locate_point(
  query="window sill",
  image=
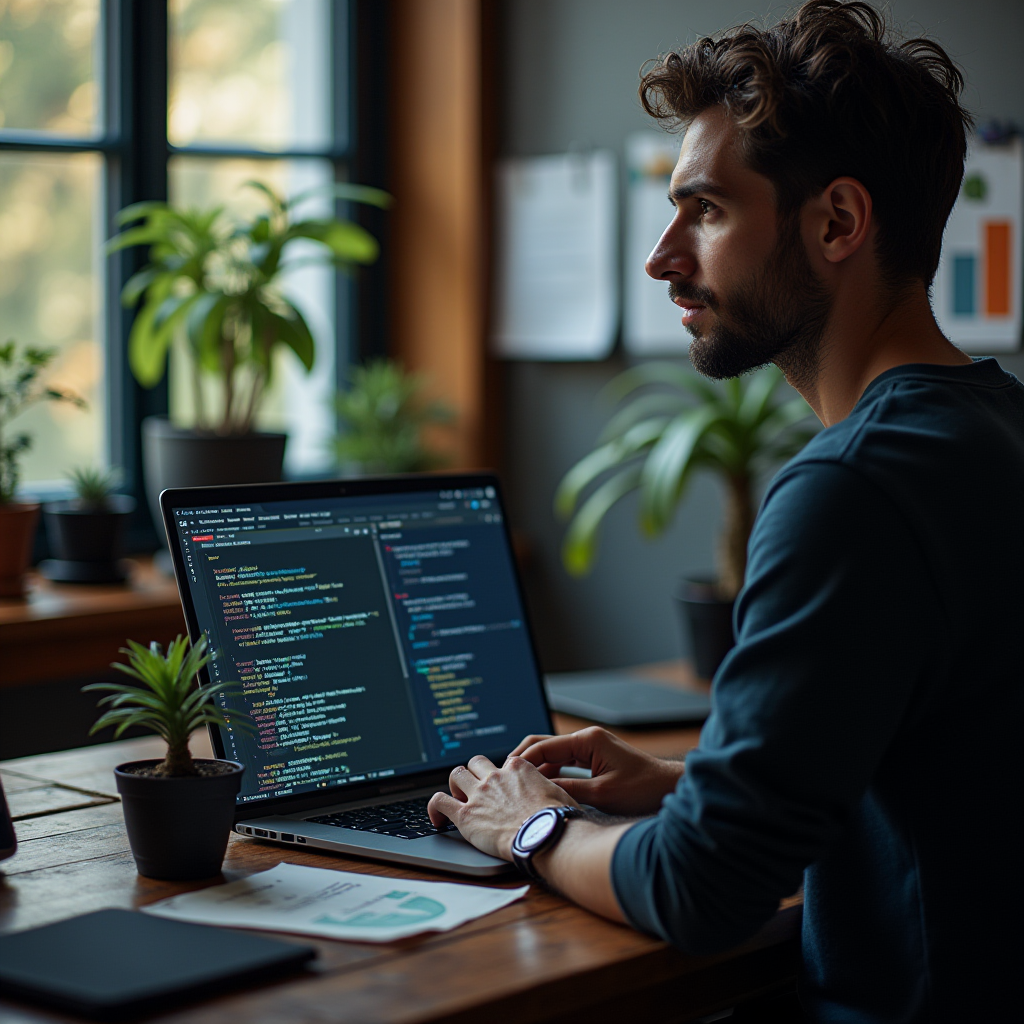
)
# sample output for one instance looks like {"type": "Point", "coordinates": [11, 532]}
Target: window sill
{"type": "Point", "coordinates": [64, 631]}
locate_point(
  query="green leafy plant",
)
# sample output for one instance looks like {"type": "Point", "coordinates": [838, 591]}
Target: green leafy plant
{"type": "Point", "coordinates": [674, 424]}
{"type": "Point", "coordinates": [168, 701]}
{"type": "Point", "coordinates": [20, 388]}
{"type": "Point", "coordinates": [383, 414]}
{"type": "Point", "coordinates": [217, 283]}
{"type": "Point", "coordinates": [94, 485]}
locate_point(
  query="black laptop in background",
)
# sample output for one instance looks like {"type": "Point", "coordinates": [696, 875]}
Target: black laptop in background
{"type": "Point", "coordinates": [378, 629]}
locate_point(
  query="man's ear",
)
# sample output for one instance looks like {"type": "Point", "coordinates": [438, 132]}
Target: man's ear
{"type": "Point", "coordinates": [845, 219]}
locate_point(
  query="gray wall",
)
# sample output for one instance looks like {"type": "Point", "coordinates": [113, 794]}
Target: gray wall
{"type": "Point", "coordinates": [569, 80]}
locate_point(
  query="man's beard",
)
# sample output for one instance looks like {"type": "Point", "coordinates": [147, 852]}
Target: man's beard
{"type": "Point", "coordinates": [777, 316]}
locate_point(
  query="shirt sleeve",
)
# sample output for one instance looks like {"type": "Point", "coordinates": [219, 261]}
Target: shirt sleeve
{"type": "Point", "coordinates": [831, 626]}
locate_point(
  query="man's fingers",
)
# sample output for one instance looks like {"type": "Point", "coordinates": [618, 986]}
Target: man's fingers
{"type": "Point", "coordinates": [442, 808]}
{"type": "Point", "coordinates": [559, 750]}
{"type": "Point", "coordinates": [461, 782]}
{"type": "Point", "coordinates": [581, 790]}
{"type": "Point", "coordinates": [481, 766]}
{"type": "Point", "coordinates": [529, 741]}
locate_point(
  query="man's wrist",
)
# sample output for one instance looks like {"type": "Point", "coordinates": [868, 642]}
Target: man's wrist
{"type": "Point", "coordinates": [540, 832]}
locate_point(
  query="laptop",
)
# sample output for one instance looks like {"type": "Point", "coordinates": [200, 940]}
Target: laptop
{"type": "Point", "coordinates": [378, 631]}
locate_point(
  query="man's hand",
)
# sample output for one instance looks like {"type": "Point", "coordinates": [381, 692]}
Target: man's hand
{"type": "Point", "coordinates": [624, 780]}
{"type": "Point", "coordinates": [488, 804]}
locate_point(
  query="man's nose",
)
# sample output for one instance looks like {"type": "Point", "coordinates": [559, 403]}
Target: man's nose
{"type": "Point", "coordinates": [670, 258]}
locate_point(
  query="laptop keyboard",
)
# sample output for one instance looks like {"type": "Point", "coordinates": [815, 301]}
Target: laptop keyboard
{"type": "Point", "coordinates": [406, 820]}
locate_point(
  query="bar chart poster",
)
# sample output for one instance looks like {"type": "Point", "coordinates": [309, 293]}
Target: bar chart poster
{"type": "Point", "coordinates": [977, 291]}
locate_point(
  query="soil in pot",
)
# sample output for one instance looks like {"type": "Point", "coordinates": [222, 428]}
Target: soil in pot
{"type": "Point", "coordinates": [707, 621]}
{"type": "Point", "coordinates": [178, 827]}
{"type": "Point", "coordinates": [87, 542]}
{"type": "Point", "coordinates": [17, 531]}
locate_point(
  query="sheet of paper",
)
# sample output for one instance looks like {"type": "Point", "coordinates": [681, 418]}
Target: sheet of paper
{"type": "Point", "coordinates": [557, 273]}
{"type": "Point", "coordinates": [336, 904]}
{"type": "Point", "coordinates": [977, 292]}
{"type": "Point", "coordinates": [651, 322]}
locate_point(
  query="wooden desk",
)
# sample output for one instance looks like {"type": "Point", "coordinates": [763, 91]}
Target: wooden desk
{"type": "Point", "coordinates": [66, 630]}
{"type": "Point", "coordinates": [541, 959]}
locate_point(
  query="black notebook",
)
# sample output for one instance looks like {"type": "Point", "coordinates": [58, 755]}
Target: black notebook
{"type": "Point", "coordinates": [119, 963]}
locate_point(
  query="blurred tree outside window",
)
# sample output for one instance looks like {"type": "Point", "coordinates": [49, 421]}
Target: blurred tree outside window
{"type": "Point", "coordinates": [256, 76]}
{"type": "Point", "coordinates": [49, 223]}
{"type": "Point", "coordinates": [256, 89]}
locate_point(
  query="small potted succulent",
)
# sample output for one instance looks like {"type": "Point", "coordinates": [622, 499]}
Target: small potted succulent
{"type": "Point", "coordinates": [217, 282]}
{"type": "Point", "coordinates": [383, 416]}
{"type": "Point", "coordinates": [20, 388]}
{"type": "Point", "coordinates": [178, 810]}
{"type": "Point", "coordinates": [674, 424]}
{"type": "Point", "coordinates": [86, 534]}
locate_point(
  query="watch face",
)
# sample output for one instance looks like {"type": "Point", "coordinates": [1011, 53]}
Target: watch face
{"type": "Point", "coordinates": [537, 830]}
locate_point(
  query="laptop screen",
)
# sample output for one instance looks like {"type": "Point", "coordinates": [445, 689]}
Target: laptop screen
{"type": "Point", "coordinates": [373, 635]}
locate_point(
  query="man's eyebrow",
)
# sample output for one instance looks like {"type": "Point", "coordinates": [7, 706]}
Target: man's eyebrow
{"type": "Point", "coordinates": [701, 185]}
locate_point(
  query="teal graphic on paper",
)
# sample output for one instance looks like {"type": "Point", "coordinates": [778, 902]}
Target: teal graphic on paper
{"type": "Point", "coordinates": [413, 910]}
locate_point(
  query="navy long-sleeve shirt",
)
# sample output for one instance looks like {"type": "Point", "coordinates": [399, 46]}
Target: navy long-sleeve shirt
{"type": "Point", "coordinates": [866, 732]}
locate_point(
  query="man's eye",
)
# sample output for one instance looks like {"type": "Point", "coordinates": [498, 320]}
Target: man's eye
{"type": "Point", "coordinates": [705, 206]}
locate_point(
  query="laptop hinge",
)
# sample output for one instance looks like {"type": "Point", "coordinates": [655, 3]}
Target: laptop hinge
{"type": "Point", "coordinates": [399, 787]}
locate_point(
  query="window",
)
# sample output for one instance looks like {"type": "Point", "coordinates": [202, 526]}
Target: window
{"type": "Point", "coordinates": [253, 90]}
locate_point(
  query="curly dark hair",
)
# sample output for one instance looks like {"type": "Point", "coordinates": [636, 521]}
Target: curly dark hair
{"type": "Point", "coordinates": [829, 92]}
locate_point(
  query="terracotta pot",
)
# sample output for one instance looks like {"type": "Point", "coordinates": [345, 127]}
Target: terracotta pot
{"type": "Point", "coordinates": [17, 531]}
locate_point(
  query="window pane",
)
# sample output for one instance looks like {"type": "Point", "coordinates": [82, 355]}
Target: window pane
{"type": "Point", "coordinates": [49, 66]}
{"type": "Point", "coordinates": [251, 74]}
{"type": "Point", "coordinates": [296, 403]}
{"type": "Point", "coordinates": [49, 207]}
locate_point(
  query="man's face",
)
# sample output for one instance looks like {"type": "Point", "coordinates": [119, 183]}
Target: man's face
{"type": "Point", "coordinates": [743, 280]}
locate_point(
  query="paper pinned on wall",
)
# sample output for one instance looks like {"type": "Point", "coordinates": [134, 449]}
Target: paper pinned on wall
{"type": "Point", "coordinates": [651, 323]}
{"type": "Point", "coordinates": [557, 274]}
{"type": "Point", "coordinates": [977, 292]}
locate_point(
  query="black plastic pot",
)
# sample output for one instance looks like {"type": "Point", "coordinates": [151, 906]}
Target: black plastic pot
{"type": "Point", "coordinates": [178, 828]}
{"type": "Point", "coordinates": [174, 457]}
{"type": "Point", "coordinates": [707, 620]}
{"type": "Point", "coordinates": [87, 543]}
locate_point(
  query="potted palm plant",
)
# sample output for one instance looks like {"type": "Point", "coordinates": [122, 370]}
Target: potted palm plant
{"type": "Point", "coordinates": [86, 533]}
{"type": "Point", "coordinates": [20, 388]}
{"type": "Point", "coordinates": [217, 283]}
{"type": "Point", "coordinates": [178, 810]}
{"type": "Point", "coordinates": [671, 424]}
{"type": "Point", "coordinates": [383, 415]}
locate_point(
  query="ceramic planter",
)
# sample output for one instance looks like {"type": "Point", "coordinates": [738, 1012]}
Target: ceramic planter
{"type": "Point", "coordinates": [17, 531]}
{"type": "Point", "coordinates": [175, 457]}
{"type": "Point", "coordinates": [87, 543]}
{"type": "Point", "coordinates": [707, 620]}
{"type": "Point", "coordinates": [178, 827]}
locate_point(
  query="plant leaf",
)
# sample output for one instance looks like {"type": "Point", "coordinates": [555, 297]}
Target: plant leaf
{"type": "Point", "coordinates": [580, 541]}
{"type": "Point", "coordinates": [346, 241]}
{"type": "Point", "coordinates": [599, 461]}
{"type": "Point", "coordinates": [666, 470]}
{"type": "Point", "coordinates": [669, 374]}
{"type": "Point", "coordinates": [342, 190]}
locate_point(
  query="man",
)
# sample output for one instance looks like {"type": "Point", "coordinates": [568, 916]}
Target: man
{"type": "Point", "coordinates": [865, 737]}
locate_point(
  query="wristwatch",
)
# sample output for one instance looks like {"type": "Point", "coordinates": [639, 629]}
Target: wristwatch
{"type": "Point", "coordinates": [540, 832]}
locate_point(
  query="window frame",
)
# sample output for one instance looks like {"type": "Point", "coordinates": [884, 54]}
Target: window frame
{"type": "Point", "coordinates": [136, 152]}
